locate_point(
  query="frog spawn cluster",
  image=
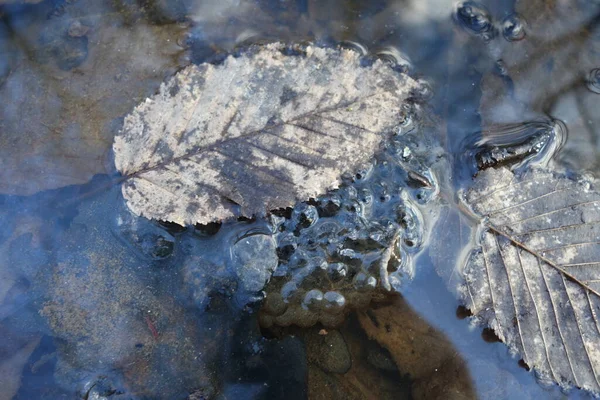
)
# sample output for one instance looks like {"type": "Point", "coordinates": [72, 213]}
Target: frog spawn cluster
{"type": "Point", "coordinates": [335, 253]}
{"type": "Point", "coordinates": [341, 250]}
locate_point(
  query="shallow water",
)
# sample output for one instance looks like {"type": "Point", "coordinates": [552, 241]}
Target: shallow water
{"type": "Point", "coordinates": [96, 303]}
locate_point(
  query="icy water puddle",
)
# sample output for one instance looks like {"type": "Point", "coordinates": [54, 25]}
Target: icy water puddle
{"type": "Point", "coordinates": [96, 303]}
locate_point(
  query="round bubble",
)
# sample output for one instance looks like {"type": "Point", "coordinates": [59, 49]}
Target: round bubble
{"type": "Point", "coordinates": [395, 58]}
{"type": "Point", "coordinates": [304, 216]}
{"type": "Point", "coordinates": [475, 19]}
{"type": "Point", "coordinates": [364, 282]}
{"type": "Point", "coordinates": [351, 45]}
{"type": "Point", "coordinates": [337, 271]}
{"type": "Point", "coordinates": [313, 299]}
{"type": "Point", "coordinates": [593, 80]}
{"type": "Point", "coordinates": [513, 28]}
{"type": "Point", "coordinates": [334, 302]}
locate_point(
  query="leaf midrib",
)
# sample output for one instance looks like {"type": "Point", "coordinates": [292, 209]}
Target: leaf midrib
{"type": "Point", "coordinates": [248, 135]}
{"type": "Point", "coordinates": [556, 266]}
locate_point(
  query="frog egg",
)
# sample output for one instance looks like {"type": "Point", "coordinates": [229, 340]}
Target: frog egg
{"type": "Point", "coordinates": [313, 300]}
{"type": "Point", "coordinates": [350, 257]}
{"type": "Point", "coordinates": [365, 196]}
{"type": "Point", "coordinates": [318, 263]}
{"type": "Point", "coordinates": [411, 243]}
{"type": "Point", "coordinates": [356, 46]}
{"type": "Point", "coordinates": [285, 253]}
{"type": "Point", "coordinates": [337, 271]}
{"type": "Point", "coordinates": [475, 19]}
{"type": "Point", "coordinates": [593, 80]}
{"type": "Point", "coordinates": [148, 240]}
{"type": "Point", "coordinates": [286, 246]}
{"type": "Point", "coordinates": [395, 58]}
{"type": "Point", "coordinates": [157, 246]}
{"type": "Point", "coordinates": [303, 217]}
{"type": "Point", "coordinates": [411, 221]}
{"type": "Point", "coordinates": [354, 206]}
{"type": "Point", "coordinates": [289, 289]}
{"type": "Point", "coordinates": [363, 174]}
{"type": "Point", "coordinates": [327, 232]}
{"type": "Point", "coordinates": [334, 302]}
{"type": "Point", "coordinates": [364, 282]}
{"type": "Point", "coordinates": [285, 238]}
{"type": "Point", "coordinates": [298, 260]}
{"type": "Point", "coordinates": [383, 192]}
{"type": "Point", "coordinates": [350, 192]}
{"type": "Point", "coordinates": [329, 205]}
{"type": "Point", "coordinates": [274, 304]}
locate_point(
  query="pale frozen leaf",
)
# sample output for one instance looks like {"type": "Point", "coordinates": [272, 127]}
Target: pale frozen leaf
{"type": "Point", "coordinates": [536, 277]}
{"type": "Point", "coordinates": [259, 132]}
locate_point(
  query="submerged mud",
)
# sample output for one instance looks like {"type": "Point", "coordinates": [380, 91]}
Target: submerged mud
{"type": "Point", "coordinates": [119, 306]}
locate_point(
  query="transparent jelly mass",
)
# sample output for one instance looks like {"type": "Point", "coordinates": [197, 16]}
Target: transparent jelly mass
{"type": "Point", "coordinates": [339, 251]}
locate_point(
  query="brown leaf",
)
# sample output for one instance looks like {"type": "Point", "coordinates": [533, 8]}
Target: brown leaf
{"type": "Point", "coordinates": [418, 349]}
{"type": "Point", "coordinates": [362, 380]}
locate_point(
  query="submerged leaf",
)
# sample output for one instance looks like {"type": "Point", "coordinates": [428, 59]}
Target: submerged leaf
{"type": "Point", "coordinates": [419, 350]}
{"type": "Point", "coordinates": [536, 278]}
{"type": "Point", "coordinates": [262, 131]}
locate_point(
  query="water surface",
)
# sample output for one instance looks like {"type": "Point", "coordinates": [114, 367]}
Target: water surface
{"type": "Point", "coordinates": [95, 303]}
